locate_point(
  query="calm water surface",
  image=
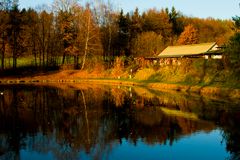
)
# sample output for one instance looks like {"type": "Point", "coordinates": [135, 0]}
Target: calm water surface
{"type": "Point", "coordinates": [102, 122]}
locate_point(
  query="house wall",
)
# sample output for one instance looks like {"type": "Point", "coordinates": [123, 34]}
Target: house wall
{"type": "Point", "coordinates": [216, 56]}
{"type": "Point", "coordinates": [215, 48]}
{"type": "Point", "coordinates": [144, 62]}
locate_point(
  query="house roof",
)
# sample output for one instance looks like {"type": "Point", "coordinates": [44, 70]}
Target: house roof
{"type": "Point", "coordinates": [188, 50]}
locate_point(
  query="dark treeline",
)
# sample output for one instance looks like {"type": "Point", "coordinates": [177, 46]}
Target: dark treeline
{"type": "Point", "coordinates": [71, 33]}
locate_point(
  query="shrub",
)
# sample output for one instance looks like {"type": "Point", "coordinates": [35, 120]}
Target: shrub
{"type": "Point", "coordinates": [144, 74]}
{"type": "Point", "coordinates": [233, 52]}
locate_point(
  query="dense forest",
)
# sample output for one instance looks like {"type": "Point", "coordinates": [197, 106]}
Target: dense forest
{"type": "Point", "coordinates": [77, 34]}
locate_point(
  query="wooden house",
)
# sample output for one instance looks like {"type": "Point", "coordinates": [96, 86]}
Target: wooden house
{"type": "Point", "coordinates": [174, 54]}
{"type": "Point", "coordinates": [205, 50]}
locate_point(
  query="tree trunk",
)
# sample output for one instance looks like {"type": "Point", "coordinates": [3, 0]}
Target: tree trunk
{"type": "Point", "coordinates": [34, 48]}
{"type": "Point", "coordinates": [76, 57]}
{"type": "Point", "coordinates": [40, 58]}
{"type": "Point", "coordinates": [43, 58]}
{"type": "Point", "coordinates": [35, 54]}
{"type": "Point", "coordinates": [109, 46]}
{"type": "Point", "coordinates": [14, 49]}
{"type": "Point", "coordinates": [43, 43]}
{"type": "Point", "coordinates": [86, 43]}
{"type": "Point", "coordinates": [3, 51]}
{"type": "Point", "coordinates": [63, 59]}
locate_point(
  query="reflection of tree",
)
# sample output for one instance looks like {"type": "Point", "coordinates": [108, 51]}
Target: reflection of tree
{"type": "Point", "coordinates": [15, 126]}
{"type": "Point", "coordinates": [86, 116]}
{"type": "Point", "coordinates": [231, 134]}
{"type": "Point", "coordinates": [89, 120]}
{"type": "Point", "coordinates": [118, 95]}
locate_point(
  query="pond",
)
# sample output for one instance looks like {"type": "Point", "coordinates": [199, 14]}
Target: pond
{"type": "Point", "coordinates": [86, 121]}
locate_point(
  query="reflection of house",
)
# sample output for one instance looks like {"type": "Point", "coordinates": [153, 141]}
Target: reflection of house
{"type": "Point", "coordinates": [207, 50]}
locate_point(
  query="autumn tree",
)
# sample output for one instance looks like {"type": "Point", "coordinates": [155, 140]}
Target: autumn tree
{"type": "Point", "coordinates": [188, 36]}
{"type": "Point", "coordinates": [72, 31]}
{"type": "Point", "coordinates": [5, 7]}
{"type": "Point", "coordinates": [64, 10]}
{"type": "Point", "coordinates": [158, 22]}
{"type": "Point", "coordinates": [147, 44]}
{"type": "Point", "coordinates": [88, 34]}
{"type": "Point", "coordinates": [33, 30]}
{"type": "Point", "coordinates": [14, 31]}
{"type": "Point", "coordinates": [67, 32]}
{"type": "Point", "coordinates": [3, 35]}
{"type": "Point", "coordinates": [106, 19]}
{"type": "Point", "coordinates": [211, 30]}
{"type": "Point", "coordinates": [44, 35]}
{"type": "Point", "coordinates": [40, 37]}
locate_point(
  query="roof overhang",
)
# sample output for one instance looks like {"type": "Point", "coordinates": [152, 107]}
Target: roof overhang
{"type": "Point", "coordinates": [190, 50]}
{"type": "Point", "coordinates": [217, 52]}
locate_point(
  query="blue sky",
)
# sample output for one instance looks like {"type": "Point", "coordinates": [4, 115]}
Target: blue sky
{"type": "Point", "coordinates": [223, 9]}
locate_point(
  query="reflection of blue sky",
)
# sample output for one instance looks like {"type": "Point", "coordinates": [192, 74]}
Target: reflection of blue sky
{"type": "Point", "coordinates": [33, 155]}
{"type": "Point", "coordinates": [43, 147]}
{"type": "Point", "coordinates": [200, 146]}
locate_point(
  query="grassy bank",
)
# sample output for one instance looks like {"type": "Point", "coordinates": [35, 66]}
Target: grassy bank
{"type": "Point", "coordinates": [191, 75]}
{"type": "Point", "coordinates": [192, 72]}
{"type": "Point", "coordinates": [205, 91]}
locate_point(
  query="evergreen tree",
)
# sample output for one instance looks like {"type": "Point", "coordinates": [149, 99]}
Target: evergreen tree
{"type": "Point", "coordinates": [136, 24]}
{"type": "Point", "coordinates": [236, 20]}
{"type": "Point", "coordinates": [174, 16]}
{"type": "Point", "coordinates": [123, 34]}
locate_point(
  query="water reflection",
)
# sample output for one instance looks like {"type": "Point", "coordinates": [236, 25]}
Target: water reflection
{"type": "Point", "coordinates": [103, 122]}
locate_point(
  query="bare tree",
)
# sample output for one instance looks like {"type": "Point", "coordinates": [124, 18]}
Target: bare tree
{"type": "Point", "coordinates": [64, 5]}
{"type": "Point", "coordinates": [106, 20]}
{"type": "Point", "coordinates": [88, 37]}
{"type": "Point", "coordinates": [45, 34]}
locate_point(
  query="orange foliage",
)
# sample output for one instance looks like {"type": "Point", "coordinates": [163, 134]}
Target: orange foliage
{"type": "Point", "coordinates": [188, 36]}
{"type": "Point", "coordinates": [118, 68]}
{"type": "Point", "coordinates": [119, 96]}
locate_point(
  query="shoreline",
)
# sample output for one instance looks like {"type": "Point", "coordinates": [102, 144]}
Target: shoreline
{"type": "Point", "coordinates": [201, 90]}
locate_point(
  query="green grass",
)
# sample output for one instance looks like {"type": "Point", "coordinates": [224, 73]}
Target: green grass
{"type": "Point", "coordinates": [30, 61]}
{"type": "Point", "coordinates": [197, 72]}
{"type": "Point", "coordinates": [21, 62]}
